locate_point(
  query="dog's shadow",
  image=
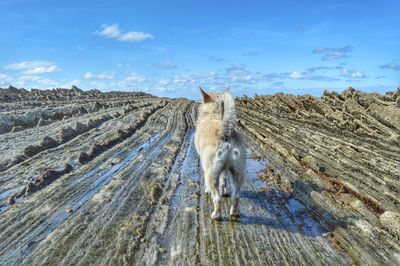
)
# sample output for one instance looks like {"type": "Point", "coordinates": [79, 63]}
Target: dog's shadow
{"type": "Point", "coordinates": [282, 211]}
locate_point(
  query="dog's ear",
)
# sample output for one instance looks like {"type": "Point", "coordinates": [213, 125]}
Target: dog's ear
{"type": "Point", "coordinates": [206, 98]}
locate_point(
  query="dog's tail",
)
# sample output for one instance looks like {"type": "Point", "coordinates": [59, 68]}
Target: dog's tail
{"type": "Point", "coordinates": [228, 115]}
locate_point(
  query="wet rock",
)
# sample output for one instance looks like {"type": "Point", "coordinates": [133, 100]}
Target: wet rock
{"type": "Point", "coordinates": [79, 127]}
{"type": "Point", "coordinates": [105, 117]}
{"type": "Point", "coordinates": [50, 98]}
{"type": "Point", "coordinates": [96, 107]}
{"type": "Point", "coordinates": [67, 133]}
{"type": "Point", "coordinates": [362, 209]}
{"type": "Point", "coordinates": [31, 188]}
{"type": "Point", "coordinates": [391, 221]}
{"type": "Point", "coordinates": [48, 142]}
{"type": "Point", "coordinates": [155, 193]}
{"type": "Point", "coordinates": [82, 111]}
{"type": "Point", "coordinates": [91, 123]}
{"type": "Point", "coordinates": [57, 116]}
{"type": "Point", "coordinates": [351, 219]}
{"type": "Point", "coordinates": [16, 160]}
{"type": "Point", "coordinates": [41, 122]}
{"type": "Point", "coordinates": [32, 150]}
{"type": "Point", "coordinates": [396, 94]}
{"type": "Point", "coordinates": [311, 162]}
{"type": "Point", "coordinates": [17, 129]}
{"type": "Point", "coordinates": [5, 128]}
{"type": "Point", "coordinates": [68, 168]}
{"type": "Point", "coordinates": [321, 168]}
{"type": "Point", "coordinates": [95, 149]}
{"type": "Point", "coordinates": [69, 210]}
{"type": "Point", "coordinates": [83, 157]}
{"type": "Point", "coordinates": [11, 200]}
{"type": "Point", "coordinates": [121, 134]}
{"type": "Point", "coordinates": [47, 177]}
{"type": "Point", "coordinates": [76, 90]}
{"type": "Point", "coordinates": [395, 138]}
{"type": "Point", "coordinates": [348, 93]}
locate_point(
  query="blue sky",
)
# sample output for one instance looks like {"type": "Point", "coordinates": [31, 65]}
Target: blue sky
{"type": "Point", "coordinates": [169, 48]}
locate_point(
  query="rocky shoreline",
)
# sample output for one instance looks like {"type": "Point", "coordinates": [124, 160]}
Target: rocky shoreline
{"type": "Point", "coordinates": [113, 178]}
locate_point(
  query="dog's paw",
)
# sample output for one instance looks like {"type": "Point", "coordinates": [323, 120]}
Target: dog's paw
{"type": "Point", "coordinates": [235, 217]}
{"type": "Point", "coordinates": [234, 214]}
{"type": "Point", "coordinates": [216, 216]}
{"type": "Point", "coordinates": [225, 194]}
{"type": "Point", "coordinates": [223, 191]}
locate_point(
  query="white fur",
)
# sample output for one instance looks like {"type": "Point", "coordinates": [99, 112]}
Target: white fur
{"type": "Point", "coordinates": [221, 149]}
{"type": "Point", "coordinates": [229, 113]}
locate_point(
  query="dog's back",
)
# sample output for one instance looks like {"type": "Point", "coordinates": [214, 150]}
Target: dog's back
{"type": "Point", "coordinates": [220, 147]}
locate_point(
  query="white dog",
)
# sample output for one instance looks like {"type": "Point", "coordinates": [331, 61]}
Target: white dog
{"type": "Point", "coordinates": [221, 149]}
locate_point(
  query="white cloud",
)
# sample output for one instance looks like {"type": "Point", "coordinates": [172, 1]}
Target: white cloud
{"type": "Point", "coordinates": [296, 75]}
{"type": "Point", "coordinates": [113, 31]}
{"type": "Point", "coordinates": [48, 82]}
{"type": "Point", "coordinates": [42, 83]}
{"type": "Point", "coordinates": [102, 75]}
{"type": "Point", "coordinates": [135, 77]}
{"type": "Point", "coordinates": [393, 66]}
{"type": "Point", "coordinates": [98, 85]}
{"type": "Point", "coordinates": [166, 65]}
{"type": "Point", "coordinates": [210, 80]}
{"type": "Point", "coordinates": [250, 53]}
{"type": "Point", "coordinates": [106, 75]}
{"type": "Point", "coordinates": [37, 81]}
{"type": "Point", "coordinates": [130, 81]}
{"type": "Point", "coordinates": [34, 67]}
{"type": "Point", "coordinates": [28, 78]}
{"type": "Point", "coordinates": [216, 59]}
{"type": "Point", "coordinates": [64, 83]}
{"type": "Point", "coordinates": [333, 53]}
{"type": "Point", "coordinates": [109, 31]}
{"type": "Point", "coordinates": [88, 75]}
{"type": "Point", "coordinates": [239, 73]}
{"type": "Point", "coordinates": [42, 69]}
{"type": "Point", "coordinates": [351, 73]}
{"type": "Point", "coordinates": [124, 65]}
{"type": "Point", "coordinates": [5, 79]}
{"type": "Point", "coordinates": [135, 36]}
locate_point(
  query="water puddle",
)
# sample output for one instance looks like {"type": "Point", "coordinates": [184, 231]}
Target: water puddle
{"type": "Point", "coordinates": [150, 140]}
{"type": "Point", "coordinates": [76, 203]}
{"type": "Point", "coordinates": [4, 195]}
{"type": "Point", "coordinates": [181, 163]}
{"type": "Point", "coordinates": [254, 168]}
{"type": "Point", "coordinates": [309, 225]}
{"type": "Point", "coordinates": [103, 179]}
{"type": "Point", "coordinates": [186, 169]}
{"type": "Point", "coordinates": [294, 206]}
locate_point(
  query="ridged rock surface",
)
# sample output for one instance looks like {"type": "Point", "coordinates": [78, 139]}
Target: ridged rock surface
{"type": "Point", "coordinates": [113, 178]}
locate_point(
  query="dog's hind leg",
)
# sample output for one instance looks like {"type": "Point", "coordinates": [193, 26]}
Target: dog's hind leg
{"type": "Point", "coordinates": [222, 183]}
{"type": "Point", "coordinates": [237, 183]}
{"type": "Point", "coordinates": [211, 178]}
{"type": "Point", "coordinates": [206, 187]}
{"type": "Point", "coordinates": [214, 165]}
